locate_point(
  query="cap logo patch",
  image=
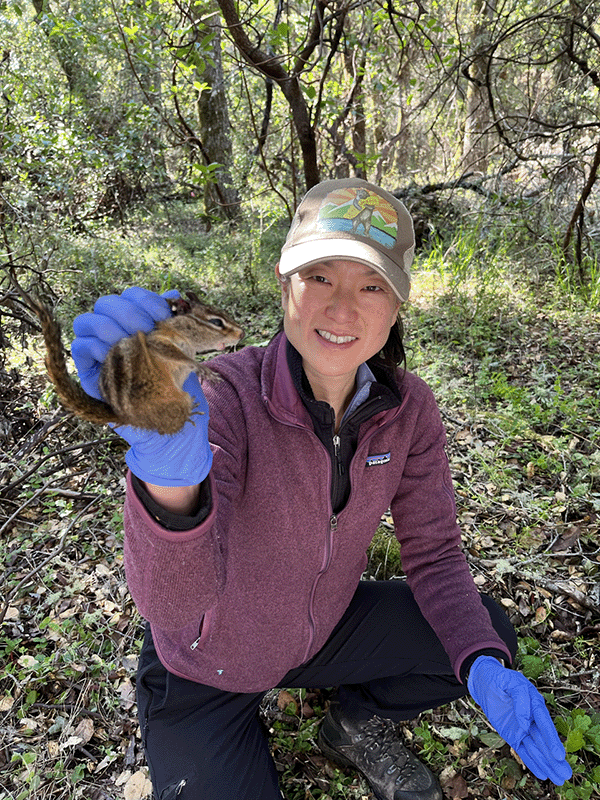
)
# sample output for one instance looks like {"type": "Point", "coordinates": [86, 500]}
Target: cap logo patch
{"type": "Point", "coordinates": [359, 211]}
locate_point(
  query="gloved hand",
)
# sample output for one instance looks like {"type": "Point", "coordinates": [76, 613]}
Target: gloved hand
{"type": "Point", "coordinates": [517, 711]}
{"type": "Point", "coordinates": [183, 459]}
{"type": "Point", "coordinates": [114, 317]}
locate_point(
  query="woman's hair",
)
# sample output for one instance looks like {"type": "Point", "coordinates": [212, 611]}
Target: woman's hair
{"type": "Point", "coordinates": [392, 356]}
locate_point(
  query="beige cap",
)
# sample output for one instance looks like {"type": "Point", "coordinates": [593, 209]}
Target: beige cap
{"type": "Point", "coordinates": [354, 220]}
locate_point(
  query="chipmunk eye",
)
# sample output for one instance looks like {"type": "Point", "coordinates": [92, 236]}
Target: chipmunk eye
{"type": "Point", "coordinates": [217, 322]}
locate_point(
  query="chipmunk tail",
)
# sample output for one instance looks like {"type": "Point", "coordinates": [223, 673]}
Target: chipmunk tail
{"type": "Point", "coordinates": [69, 391]}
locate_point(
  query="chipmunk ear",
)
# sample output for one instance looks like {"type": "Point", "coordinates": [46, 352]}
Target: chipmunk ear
{"type": "Point", "coordinates": [179, 306]}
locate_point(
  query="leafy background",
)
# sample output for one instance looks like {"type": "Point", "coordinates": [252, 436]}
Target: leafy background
{"type": "Point", "coordinates": [513, 364]}
{"type": "Point", "coordinates": [167, 144]}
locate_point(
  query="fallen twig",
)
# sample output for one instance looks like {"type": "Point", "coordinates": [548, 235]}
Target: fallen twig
{"type": "Point", "coordinates": [564, 587]}
{"type": "Point", "coordinates": [84, 447]}
{"type": "Point", "coordinates": [39, 435]}
{"type": "Point", "coordinates": [24, 505]}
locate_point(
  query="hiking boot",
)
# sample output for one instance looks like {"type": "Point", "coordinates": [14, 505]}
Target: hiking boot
{"type": "Point", "coordinates": [374, 749]}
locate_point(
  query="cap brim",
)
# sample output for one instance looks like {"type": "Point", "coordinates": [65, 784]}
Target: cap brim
{"type": "Point", "coordinates": [304, 254]}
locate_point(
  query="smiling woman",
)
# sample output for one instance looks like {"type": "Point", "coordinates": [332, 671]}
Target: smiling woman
{"type": "Point", "coordinates": [337, 314]}
{"type": "Point", "coordinates": [300, 449]}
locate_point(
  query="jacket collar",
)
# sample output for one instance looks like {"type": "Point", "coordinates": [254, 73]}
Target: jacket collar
{"type": "Point", "coordinates": [287, 392]}
{"type": "Point", "coordinates": [278, 387]}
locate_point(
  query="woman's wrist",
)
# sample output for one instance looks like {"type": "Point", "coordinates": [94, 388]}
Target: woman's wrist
{"type": "Point", "coordinates": [176, 499]}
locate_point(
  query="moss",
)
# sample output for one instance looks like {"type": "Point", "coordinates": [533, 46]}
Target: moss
{"type": "Point", "coordinates": [384, 556]}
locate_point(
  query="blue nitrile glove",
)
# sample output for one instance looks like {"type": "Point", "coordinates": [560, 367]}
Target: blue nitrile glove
{"type": "Point", "coordinates": [182, 459]}
{"type": "Point", "coordinates": [517, 711]}
{"type": "Point", "coordinates": [114, 317]}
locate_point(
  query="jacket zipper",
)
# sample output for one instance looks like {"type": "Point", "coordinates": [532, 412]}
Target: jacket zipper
{"type": "Point", "coordinates": [338, 469]}
{"type": "Point", "coordinates": [333, 524]}
{"type": "Point", "coordinates": [337, 450]}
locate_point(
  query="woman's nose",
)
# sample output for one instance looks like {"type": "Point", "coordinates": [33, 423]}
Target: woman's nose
{"type": "Point", "coordinates": [342, 305]}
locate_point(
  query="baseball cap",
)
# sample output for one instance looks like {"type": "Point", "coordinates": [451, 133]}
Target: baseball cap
{"type": "Point", "coordinates": [354, 220]}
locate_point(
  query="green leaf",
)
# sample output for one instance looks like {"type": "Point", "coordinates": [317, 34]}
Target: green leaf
{"type": "Point", "coordinates": [562, 726]}
{"type": "Point", "coordinates": [594, 740]}
{"type": "Point", "coordinates": [491, 739]}
{"type": "Point", "coordinates": [78, 773]}
{"type": "Point", "coordinates": [575, 741]}
{"type": "Point", "coordinates": [454, 733]}
{"type": "Point", "coordinates": [31, 697]}
{"type": "Point", "coordinates": [582, 723]}
{"type": "Point", "coordinates": [533, 666]}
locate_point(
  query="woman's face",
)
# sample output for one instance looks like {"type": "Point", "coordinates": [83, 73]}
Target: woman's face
{"type": "Point", "coordinates": [337, 315]}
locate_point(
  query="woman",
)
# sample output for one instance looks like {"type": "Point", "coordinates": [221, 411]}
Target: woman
{"type": "Point", "coordinates": [245, 555]}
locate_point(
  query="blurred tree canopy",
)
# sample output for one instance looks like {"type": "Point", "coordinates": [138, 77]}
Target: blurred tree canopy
{"type": "Point", "coordinates": [106, 103]}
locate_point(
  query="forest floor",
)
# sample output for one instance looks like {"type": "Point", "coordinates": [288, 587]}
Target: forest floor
{"type": "Point", "coordinates": [518, 383]}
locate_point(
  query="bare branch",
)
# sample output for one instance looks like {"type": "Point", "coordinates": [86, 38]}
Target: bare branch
{"type": "Point", "coordinates": [271, 66]}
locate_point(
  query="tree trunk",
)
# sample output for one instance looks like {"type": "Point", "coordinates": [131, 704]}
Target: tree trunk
{"type": "Point", "coordinates": [576, 221]}
{"type": "Point", "coordinates": [215, 132]}
{"type": "Point", "coordinates": [71, 57]}
{"type": "Point", "coordinates": [356, 107]}
{"type": "Point", "coordinates": [477, 119]}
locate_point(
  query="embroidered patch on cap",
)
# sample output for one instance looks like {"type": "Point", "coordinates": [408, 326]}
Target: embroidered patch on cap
{"type": "Point", "coordinates": [374, 461]}
{"type": "Point", "coordinates": [359, 211]}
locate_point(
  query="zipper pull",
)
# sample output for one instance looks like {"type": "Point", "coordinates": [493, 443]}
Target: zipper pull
{"type": "Point", "coordinates": [337, 448]}
{"type": "Point", "coordinates": [195, 644]}
{"type": "Point", "coordinates": [333, 523]}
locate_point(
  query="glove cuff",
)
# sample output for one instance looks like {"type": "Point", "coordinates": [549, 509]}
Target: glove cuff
{"type": "Point", "coordinates": [159, 476]}
{"type": "Point", "coordinates": [467, 664]}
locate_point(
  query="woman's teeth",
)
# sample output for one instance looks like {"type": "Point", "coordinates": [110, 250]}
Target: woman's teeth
{"type": "Point", "coordinates": [331, 337]}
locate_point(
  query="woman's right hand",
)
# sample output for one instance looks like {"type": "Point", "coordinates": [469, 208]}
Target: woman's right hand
{"type": "Point", "coordinates": [181, 459]}
{"type": "Point", "coordinates": [114, 317]}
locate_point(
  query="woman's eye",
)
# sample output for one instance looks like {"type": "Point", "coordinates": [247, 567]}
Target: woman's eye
{"type": "Point", "coordinates": [374, 289]}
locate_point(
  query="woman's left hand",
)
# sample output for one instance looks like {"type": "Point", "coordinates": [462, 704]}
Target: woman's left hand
{"type": "Point", "coordinates": [517, 711]}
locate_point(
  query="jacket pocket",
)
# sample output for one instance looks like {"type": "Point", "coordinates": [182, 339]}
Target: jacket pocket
{"type": "Point", "coordinates": [203, 630]}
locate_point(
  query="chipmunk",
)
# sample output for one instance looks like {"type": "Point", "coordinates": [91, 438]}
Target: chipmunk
{"type": "Point", "coordinates": [142, 376]}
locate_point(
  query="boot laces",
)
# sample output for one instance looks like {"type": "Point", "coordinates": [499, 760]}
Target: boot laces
{"type": "Point", "coordinates": [382, 743]}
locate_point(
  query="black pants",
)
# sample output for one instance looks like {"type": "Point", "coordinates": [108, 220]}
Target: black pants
{"type": "Point", "coordinates": [206, 744]}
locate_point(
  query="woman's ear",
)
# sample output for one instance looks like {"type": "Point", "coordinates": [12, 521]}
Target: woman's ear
{"type": "Point", "coordinates": [285, 287]}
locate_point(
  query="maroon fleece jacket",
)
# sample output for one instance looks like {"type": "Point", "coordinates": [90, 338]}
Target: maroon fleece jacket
{"type": "Point", "coordinates": [256, 589]}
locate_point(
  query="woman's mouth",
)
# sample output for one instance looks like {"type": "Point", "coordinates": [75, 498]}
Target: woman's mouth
{"type": "Point", "coordinates": [331, 337]}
